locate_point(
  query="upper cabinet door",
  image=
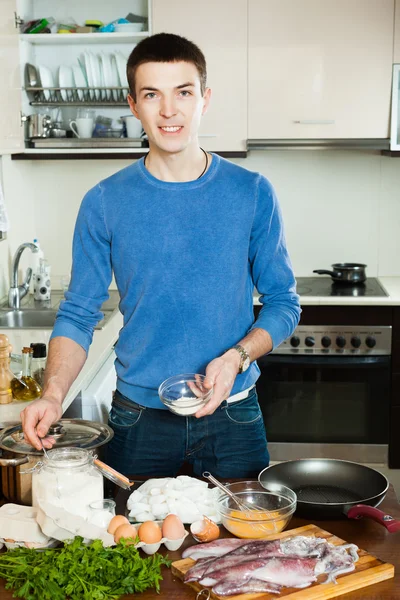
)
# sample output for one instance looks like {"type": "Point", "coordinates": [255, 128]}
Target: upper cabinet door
{"type": "Point", "coordinates": [11, 131]}
{"type": "Point", "coordinates": [220, 30]}
{"type": "Point", "coordinates": [396, 58]}
{"type": "Point", "coordinates": [320, 68]}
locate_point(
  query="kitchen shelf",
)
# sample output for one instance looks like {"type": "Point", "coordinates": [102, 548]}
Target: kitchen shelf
{"type": "Point", "coordinates": [56, 39]}
{"type": "Point", "coordinates": [99, 153]}
{"type": "Point", "coordinates": [78, 96]}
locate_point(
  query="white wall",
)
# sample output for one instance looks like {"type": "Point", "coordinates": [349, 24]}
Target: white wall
{"type": "Point", "coordinates": [337, 205]}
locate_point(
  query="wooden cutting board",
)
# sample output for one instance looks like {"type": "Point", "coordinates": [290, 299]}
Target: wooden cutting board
{"type": "Point", "coordinates": [368, 570]}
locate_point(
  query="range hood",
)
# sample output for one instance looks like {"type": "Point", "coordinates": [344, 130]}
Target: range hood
{"type": "Point", "coordinates": [319, 144]}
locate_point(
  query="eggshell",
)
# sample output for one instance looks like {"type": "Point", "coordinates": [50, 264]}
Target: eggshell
{"type": "Point", "coordinates": [125, 531]}
{"type": "Point", "coordinates": [172, 528]}
{"type": "Point", "coordinates": [204, 530]}
{"type": "Point", "coordinates": [149, 532]}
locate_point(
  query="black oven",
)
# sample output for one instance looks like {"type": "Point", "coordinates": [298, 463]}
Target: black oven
{"type": "Point", "coordinates": [325, 392]}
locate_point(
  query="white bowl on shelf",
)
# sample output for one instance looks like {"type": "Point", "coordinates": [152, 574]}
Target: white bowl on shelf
{"type": "Point", "coordinates": [128, 27]}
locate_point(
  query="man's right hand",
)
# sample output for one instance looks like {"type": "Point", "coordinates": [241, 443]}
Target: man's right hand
{"type": "Point", "coordinates": [36, 420]}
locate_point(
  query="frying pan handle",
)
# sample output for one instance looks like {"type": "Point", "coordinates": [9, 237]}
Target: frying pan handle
{"type": "Point", "coordinates": [325, 272]}
{"type": "Point", "coordinates": [361, 510]}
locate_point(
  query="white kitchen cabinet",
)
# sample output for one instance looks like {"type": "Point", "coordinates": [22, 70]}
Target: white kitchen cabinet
{"type": "Point", "coordinates": [52, 51]}
{"type": "Point", "coordinates": [320, 69]}
{"type": "Point", "coordinates": [220, 30]}
{"type": "Point", "coordinates": [11, 133]}
{"type": "Point", "coordinates": [396, 53]}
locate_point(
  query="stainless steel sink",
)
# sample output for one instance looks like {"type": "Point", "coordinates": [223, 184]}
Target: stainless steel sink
{"type": "Point", "coordinates": [27, 319]}
{"type": "Point", "coordinates": [35, 315]}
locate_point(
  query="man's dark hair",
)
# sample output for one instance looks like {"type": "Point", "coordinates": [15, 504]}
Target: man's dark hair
{"type": "Point", "coordinates": [165, 47]}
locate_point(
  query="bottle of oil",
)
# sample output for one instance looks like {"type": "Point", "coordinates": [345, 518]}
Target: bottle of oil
{"type": "Point", "coordinates": [5, 373]}
{"type": "Point", "coordinates": [26, 388]}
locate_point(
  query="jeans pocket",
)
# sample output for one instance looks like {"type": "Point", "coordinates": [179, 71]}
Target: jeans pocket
{"type": "Point", "coordinates": [244, 411]}
{"type": "Point", "coordinates": [124, 417]}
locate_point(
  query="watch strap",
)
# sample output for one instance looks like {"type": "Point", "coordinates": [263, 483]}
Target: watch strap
{"type": "Point", "coordinates": [244, 355]}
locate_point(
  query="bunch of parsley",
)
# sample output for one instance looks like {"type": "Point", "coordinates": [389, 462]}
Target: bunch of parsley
{"type": "Point", "coordinates": [80, 572]}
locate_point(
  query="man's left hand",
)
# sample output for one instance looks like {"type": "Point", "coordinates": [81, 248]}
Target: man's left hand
{"type": "Point", "coordinates": [220, 374]}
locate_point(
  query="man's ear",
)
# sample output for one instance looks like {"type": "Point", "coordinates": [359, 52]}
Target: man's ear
{"type": "Point", "coordinates": [132, 106]}
{"type": "Point", "coordinates": [206, 100]}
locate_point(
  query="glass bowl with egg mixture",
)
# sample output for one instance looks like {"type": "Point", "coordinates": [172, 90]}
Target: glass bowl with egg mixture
{"type": "Point", "coordinates": [184, 394]}
{"type": "Point", "coordinates": [277, 501]}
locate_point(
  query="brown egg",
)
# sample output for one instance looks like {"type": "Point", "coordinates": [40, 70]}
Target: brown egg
{"type": "Point", "coordinates": [205, 530]}
{"type": "Point", "coordinates": [172, 528]}
{"type": "Point", "coordinates": [125, 531]}
{"type": "Point", "coordinates": [116, 522]}
{"type": "Point", "coordinates": [149, 532]}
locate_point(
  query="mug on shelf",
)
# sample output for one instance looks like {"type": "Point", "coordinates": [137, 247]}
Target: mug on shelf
{"type": "Point", "coordinates": [133, 126]}
{"type": "Point", "coordinates": [84, 123]}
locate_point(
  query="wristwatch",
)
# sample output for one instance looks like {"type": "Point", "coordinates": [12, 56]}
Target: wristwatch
{"type": "Point", "coordinates": [244, 358]}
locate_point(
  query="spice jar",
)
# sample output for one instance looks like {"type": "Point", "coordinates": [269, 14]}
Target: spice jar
{"type": "Point", "coordinates": [39, 359]}
{"type": "Point", "coordinates": [68, 479]}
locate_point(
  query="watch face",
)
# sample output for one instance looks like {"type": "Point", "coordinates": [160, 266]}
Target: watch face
{"type": "Point", "coordinates": [246, 364]}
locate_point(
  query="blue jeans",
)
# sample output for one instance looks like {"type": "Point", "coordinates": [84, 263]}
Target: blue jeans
{"type": "Point", "coordinates": [155, 442]}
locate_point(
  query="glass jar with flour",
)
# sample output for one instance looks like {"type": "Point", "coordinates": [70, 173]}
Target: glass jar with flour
{"type": "Point", "coordinates": [68, 479]}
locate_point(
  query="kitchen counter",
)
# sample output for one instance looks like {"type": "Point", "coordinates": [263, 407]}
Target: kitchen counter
{"type": "Point", "coordinates": [367, 534]}
{"type": "Point", "coordinates": [391, 285]}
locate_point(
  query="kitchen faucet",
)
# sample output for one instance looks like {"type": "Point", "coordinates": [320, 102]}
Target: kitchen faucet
{"type": "Point", "coordinates": [17, 292]}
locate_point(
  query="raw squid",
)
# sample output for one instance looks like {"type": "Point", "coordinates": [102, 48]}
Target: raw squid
{"type": "Point", "coordinates": [252, 586]}
{"type": "Point", "coordinates": [291, 572]}
{"type": "Point", "coordinates": [234, 566]}
{"type": "Point", "coordinates": [240, 574]}
{"type": "Point", "coordinates": [217, 548]}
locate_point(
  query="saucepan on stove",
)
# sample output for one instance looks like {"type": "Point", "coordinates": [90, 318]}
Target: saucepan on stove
{"type": "Point", "coordinates": [345, 272]}
{"type": "Point", "coordinates": [329, 489]}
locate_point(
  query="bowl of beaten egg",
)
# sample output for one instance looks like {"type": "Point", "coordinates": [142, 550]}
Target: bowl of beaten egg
{"type": "Point", "coordinates": [278, 504]}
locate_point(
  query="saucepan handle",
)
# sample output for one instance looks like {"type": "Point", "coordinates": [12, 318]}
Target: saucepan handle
{"type": "Point", "coordinates": [325, 272]}
{"type": "Point", "coordinates": [362, 510]}
{"type": "Point", "coordinates": [14, 462]}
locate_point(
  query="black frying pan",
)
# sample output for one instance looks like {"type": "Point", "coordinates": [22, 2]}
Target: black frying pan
{"type": "Point", "coordinates": [328, 489]}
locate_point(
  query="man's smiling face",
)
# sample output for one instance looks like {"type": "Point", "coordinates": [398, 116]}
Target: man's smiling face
{"type": "Point", "coordinates": [169, 103]}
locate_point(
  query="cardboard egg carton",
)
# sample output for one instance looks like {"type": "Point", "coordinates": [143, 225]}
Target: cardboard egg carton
{"type": "Point", "coordinates": [171, 545]}
{"type": "Point", "coordinates": [18, 523]}
{"type": "Point", "coordinates": [62, 525]}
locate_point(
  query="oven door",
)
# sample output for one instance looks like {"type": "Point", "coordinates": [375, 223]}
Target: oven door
{"type": "Point", "coordinates": [326, 406]}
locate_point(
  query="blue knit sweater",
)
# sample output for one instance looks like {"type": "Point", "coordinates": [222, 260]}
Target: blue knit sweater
{"type": "Point", "coordinates": [186, 257]}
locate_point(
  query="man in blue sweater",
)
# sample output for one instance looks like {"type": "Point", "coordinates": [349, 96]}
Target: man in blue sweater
{"type": "Point", "coordinates": [187, 235]}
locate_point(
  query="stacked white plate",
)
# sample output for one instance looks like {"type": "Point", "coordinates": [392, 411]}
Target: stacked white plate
{"type": "Point", "coordinates": [92, 71]}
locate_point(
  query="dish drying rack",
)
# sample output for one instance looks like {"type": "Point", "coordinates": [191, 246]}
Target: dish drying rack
{"type": "Point", "coordinates": [78, 96]}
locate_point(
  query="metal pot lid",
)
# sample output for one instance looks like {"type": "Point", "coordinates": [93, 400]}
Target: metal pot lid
{"type": "Point", "coordinates": [75, 433]}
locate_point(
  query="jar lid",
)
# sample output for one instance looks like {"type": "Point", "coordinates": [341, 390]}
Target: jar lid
{"type": "Point", "coordinates": [75, 433]}
{"type": "Point", "coordinates": [39, 349]}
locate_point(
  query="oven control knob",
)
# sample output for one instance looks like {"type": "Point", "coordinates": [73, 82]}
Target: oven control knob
{"type": "Point", "coordinates": [370, 342]}
{"type": "Point", "coordinates": [309, 341]}
{"type": "Point", "coordinates": [295, 341]}
{"type": "Point", "coordinates": [355, 341]}
{"type": "Point", "coordinates": [326, 341]}
{"type": "Point", "coordinates": [340, 341]}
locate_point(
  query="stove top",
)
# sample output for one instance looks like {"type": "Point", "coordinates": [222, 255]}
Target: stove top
{"type": "Point", "coordinates": [324, 286]}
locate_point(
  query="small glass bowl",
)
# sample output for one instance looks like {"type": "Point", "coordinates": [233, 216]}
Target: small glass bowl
{"type": "Point", "coordinates": [184, 394]}
{"type": "Point", "coordinates": [278, 501]}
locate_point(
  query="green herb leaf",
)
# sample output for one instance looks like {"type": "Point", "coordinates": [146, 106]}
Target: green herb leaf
{"type": "Point", "coordinates": [80, 572]}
